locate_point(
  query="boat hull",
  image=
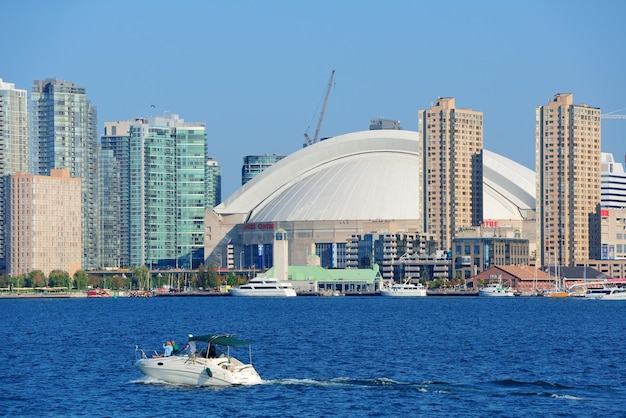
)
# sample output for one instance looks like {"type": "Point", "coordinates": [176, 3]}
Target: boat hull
{"type": "Point", "coordinates": [614, 296]}
{"type": "Point", "coordinates": [193, 371]}
{"type": "Point", "coordinates": [492, 293]}
{"type": "Point", "coordinates": [263, 292]}
{"type": "Point", "coordinates": [496, 290]}
{"type": "Point", "coordinates": [417, 292]}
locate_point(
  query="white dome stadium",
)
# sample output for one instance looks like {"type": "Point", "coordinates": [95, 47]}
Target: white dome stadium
{"type": "Point", "coordinates": [367, 175]}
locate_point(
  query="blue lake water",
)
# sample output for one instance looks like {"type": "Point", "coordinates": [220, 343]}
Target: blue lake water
{"type": "Point", "coordinates": [322, 356]}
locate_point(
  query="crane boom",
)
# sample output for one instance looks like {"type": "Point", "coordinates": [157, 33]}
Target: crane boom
{"type": "Point", "coordinates": [310, 141]}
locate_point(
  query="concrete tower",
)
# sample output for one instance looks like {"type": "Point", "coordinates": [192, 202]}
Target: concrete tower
{"type": "Point", "coordinates": [451, 177]}
{"type": "Point", "coordinates": [281, 255]}
{"type": "Point", "coordinates": [568, 181]}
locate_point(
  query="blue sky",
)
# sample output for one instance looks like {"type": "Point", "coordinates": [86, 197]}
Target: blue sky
{"type": "Point", "coordinates": [256, 71]}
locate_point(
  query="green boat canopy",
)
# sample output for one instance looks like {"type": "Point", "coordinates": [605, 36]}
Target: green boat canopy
{"type": "Point", "coordinates": [220, 339]}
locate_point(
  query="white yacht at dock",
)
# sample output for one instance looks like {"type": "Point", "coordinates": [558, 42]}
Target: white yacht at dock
{"type": "Point", "coordinates": [260, 286]}
{"type": "Point", "coordinates": [405, 289]}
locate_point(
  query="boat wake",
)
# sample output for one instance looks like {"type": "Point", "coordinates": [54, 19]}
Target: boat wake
{"type": "Point", "coordinates": [347, 382]}
{"type": "Point", "coordinates": [510, 387]}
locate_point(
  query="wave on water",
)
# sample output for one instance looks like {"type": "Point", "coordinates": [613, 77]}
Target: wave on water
{"type": "Point", "coordinates": [539, 383]}
{"type": "Point", "coordinates": [335, 382]}
{"type": "Point", "coordinates": [568, 397]}
{"type": "Point", "coordinates": [347, 382]}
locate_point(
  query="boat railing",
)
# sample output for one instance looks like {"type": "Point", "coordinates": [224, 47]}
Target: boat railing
{"type": "Point", "coordinates": [140, 353]}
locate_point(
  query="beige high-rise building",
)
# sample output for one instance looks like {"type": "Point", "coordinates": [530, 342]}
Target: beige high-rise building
{"type": "Point", "coordinates": [44, 223]}
{"type": "Point", "coordinates": [451, 145]}
{"type": "Point", "coordinates": [568, 140]}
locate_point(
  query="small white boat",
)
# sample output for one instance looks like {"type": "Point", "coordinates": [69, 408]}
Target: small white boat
{"type": "Point", "coordinates": [264, 287]}
{"type": "Point", "coordinates": [405, 289]}
{"type": "Point", "coordinates": [206, 362]}
{"type": "Point", "coordinates": [495, 289]}
{"type": "Point", "coordinates": [616, 293]}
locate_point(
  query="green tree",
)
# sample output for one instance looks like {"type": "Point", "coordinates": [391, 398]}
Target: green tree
{"type": "Point", "coordinates": [118, 282]}
{"type": "Point", "coordinates": [37, 278]}
{"type": "Point", "coordinates": [214, 280]}
{"type": "Point", "coordinates": [93, 281]}
{"type": "Point", "coordinates": [141, 276]}
{"type": "Point", "coordinates": [59, 278]}
{"type": "Point", "coordinates": [18, 281]}
{"type": "Point", "coordinates": [81, 279]}
{"type": "Point", "coordinates": [193, 279]}
{"type": "Point", "coordinates": [203, 278]}
{"type": "Point", "coordinates": [232, 279]}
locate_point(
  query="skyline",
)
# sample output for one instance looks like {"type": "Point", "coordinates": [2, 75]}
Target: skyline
{"type": "Point", "coordinates": [256, 73]}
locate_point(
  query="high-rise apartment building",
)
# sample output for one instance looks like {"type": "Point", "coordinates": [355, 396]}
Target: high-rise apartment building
{"type": "Point", "coordinates": [162, 193]}
{"type": "Point", "coordinates": [253, 165]}
{"type": "Point", "coordinates": [110, 209]}
{"type": "Point", "coordinates": [213, 184]}
{"type": "Point", "coordinates": [115, 196]}
{"type": "Point", "coordinates": [451, 177]}
{"type": "Point", "coordinates": [613, 183]}
{"type": "Point", "coordinates": [44, 222]}
{"type": "Point", "coordinates": [613, 212]}
{"type": "Point", "coordinates": [568, 140]}
{"type": "Point", "coordinates": [64, 135]}
{"type": "Point", "coordinates": [13, 147]}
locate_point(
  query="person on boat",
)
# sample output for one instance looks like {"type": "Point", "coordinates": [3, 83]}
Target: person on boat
{"type": "Point", "coordinates": [190, 347]}
{"type": "Point", "coordinates": [212, 351]}
{"type": "Point", "coordinates": [167, 349]}
{"type": "Point", "coordinates": [175, 349]}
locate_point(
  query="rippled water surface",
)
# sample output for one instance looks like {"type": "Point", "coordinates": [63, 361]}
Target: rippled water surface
{"type": "Point", "coordinates": [322, 356]}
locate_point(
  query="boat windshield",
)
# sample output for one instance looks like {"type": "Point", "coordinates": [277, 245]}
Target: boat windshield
{"type": "Point", "coordinates": [220, 339]}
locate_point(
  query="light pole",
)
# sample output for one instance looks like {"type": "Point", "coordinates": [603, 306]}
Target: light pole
{"type": "Point", "coordinates": [241, 260]}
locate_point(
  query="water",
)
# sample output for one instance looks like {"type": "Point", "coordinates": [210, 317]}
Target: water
{"type": "Point", "coordinates": [325, 356]}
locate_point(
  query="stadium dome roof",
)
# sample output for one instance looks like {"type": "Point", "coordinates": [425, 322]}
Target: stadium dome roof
{"type": "Point", "coordinates": [364, 176]}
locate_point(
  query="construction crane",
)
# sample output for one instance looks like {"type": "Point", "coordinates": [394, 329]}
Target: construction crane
{"type": "Point", "coordinates": [308, 141]}
{"type": "Point", "coordinates": [612, 115]}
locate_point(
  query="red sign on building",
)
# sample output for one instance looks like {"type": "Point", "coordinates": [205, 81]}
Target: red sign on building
{"type": "Point", "coordinates": [259, 226]}
{"type": "Point", "coordinates": [490, 224]}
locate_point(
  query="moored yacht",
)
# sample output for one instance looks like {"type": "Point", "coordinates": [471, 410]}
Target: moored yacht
{"type": "Point", "coordinates": [495, 289]}
{"type": "Point", "coordinates": [405, 289]}
{"type": "Point", "coordinates": [260, 286]}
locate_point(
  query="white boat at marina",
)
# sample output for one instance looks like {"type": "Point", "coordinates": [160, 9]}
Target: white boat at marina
{"type": "Point", "coordinates": [617, 293]}
{"type": "Point", "coordinates": [611, 289]}
{"type": "Point", "coordinates": [606, 293]}
{"type": "Point", "coordinates": [206, 362]}
{"type": "Point", "coordinates": [405, 289]}
{"type": "Point", "coordinates": [495, 289]}
{"type": "Point", "coordinates": [260, 286]}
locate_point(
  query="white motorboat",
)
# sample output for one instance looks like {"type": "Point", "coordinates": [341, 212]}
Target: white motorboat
{"type": "Point", "coordinates": [206, 361]}
{"type": "Point", "coordinates": [605, 290]}
{"type": "Point", "coordinates": [596, 292]}
{"type": "Point", "coordinates": [616, 293]}
{"type": "Point", "coordinates": [260, 286]}
{"type": "Point", "coordinates": [405, 289]}
{"type": "Point", "coordinates": [495, 289]}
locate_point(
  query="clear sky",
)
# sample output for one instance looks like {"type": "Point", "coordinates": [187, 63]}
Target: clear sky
{"type": "Point", "coordinates": [256, 71]}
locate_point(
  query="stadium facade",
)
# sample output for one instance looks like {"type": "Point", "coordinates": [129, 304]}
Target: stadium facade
{"type": "Point", "coordinates": [329, 195]}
